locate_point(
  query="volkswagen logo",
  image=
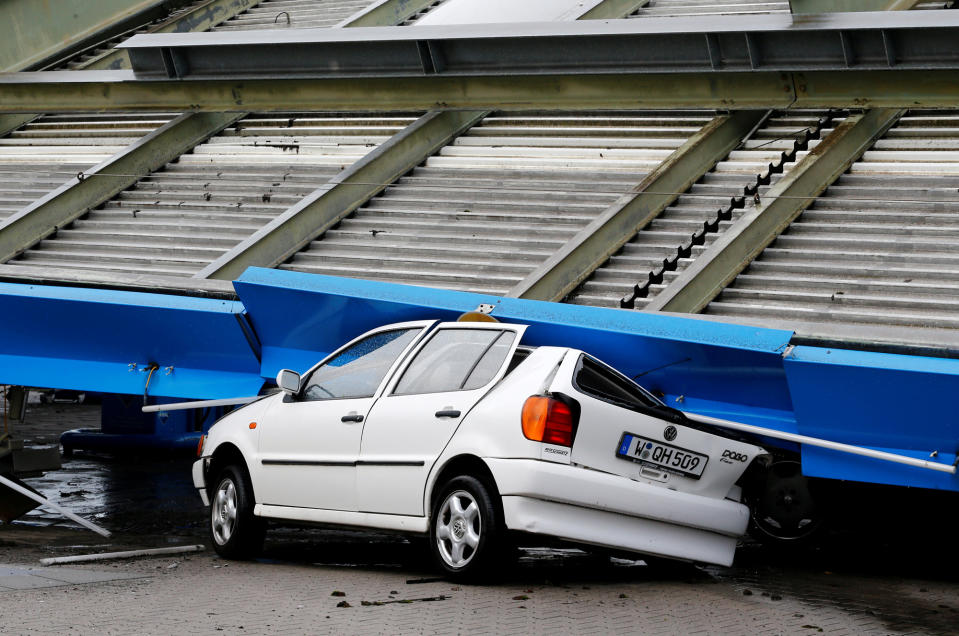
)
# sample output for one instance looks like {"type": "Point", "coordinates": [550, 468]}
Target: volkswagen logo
{"type": "Point", "coordinates": [670, 433]}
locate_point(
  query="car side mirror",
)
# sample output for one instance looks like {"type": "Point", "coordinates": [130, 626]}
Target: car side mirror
{"type": "Point", "coordinates": [288, 381]}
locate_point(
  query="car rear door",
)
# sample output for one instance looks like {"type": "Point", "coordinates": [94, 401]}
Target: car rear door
{"type": "Point", "coordinates": [309, 444]}
{"type": "Point", "coordinates": [412, 423]}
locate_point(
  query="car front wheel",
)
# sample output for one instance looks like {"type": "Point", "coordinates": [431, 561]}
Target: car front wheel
{"type": "Point", "coordinates": [466, 536]}
{"type": "Point", "coordinates": [234, 531]}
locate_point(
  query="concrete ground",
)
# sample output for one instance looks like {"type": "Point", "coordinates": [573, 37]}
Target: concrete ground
{"type": "Point", "coordinates": [893, 574]}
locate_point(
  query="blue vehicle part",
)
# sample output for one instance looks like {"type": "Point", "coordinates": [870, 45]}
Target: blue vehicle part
{"type": "Point", "coordinates": [107, 341]}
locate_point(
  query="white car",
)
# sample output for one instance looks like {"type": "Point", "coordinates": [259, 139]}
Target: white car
{"type": "Point", "coordinates": [458, 432]}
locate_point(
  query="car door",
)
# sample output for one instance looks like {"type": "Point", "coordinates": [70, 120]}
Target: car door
{"type": "Point", "coordinates": [309, 443]}
{"type": "Point", "coordinates": [412, 423]}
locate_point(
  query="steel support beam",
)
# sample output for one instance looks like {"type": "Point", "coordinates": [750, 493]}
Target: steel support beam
{"type": "Point", "coordinates": [878, 40]}
{"type": "Point", "coordinates": [606, 234]}
{"type": "Point", "coordinates": [386, 13]}
{"type": "Point", "coordinates": [95, 186]}
{"type": "Point", "coordinates": [202, 17]}
{"type": "Point", "coordinates": [31, 31]}
{"type": "Point", "coordinates": [842, 6]}
{"type": "Point", "coordinates": [103, 91]}
{"type": "Point", "coordinates": [100, 91]}
{"type": "Point", "coordinates": [736, 248]}
{"type": "Point", "coordinates": [9, 123]}
{"type": "Point", "coordinates": [327, 206]}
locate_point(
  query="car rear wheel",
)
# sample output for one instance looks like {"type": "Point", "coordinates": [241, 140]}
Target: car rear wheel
{"type": "Point", "coordinates": [234, 531]}
{"type": "Point", "coordinates": [466, 535]}
{"type": "Point", "coordinates": [788, 508]}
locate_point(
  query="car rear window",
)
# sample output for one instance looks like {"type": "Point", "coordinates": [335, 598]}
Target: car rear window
{"type": "Point", "coordinates": [456, 360]}
{"type": "Point", "coordinates": [596, 379]}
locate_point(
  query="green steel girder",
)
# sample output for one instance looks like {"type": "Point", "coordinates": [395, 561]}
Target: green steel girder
{"type": "Point", "coordinates": [104, 91]}
{"type": "Point", "coordinates": [736, 248]}
{"type": "Point", "coordinates": [843, 6]}
{"type": "Point", "coordinates": [9, 123]}
{"type": "Point", "coordinates": [116, 90]}
{"type": "Point", "coordinates": [389, 13]}
{"type": "Point", "coordinates": [92, 188]}
{"type": "Point", "coordinates": [32, 31]}
{"type": "Point", "coordinates": [606, 234]}
{"type": "Point", "coordinates": [201, 17]}
{"type": "Point", "coordinates": [330, 204]}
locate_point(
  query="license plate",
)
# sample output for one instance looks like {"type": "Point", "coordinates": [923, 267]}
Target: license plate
{"type": "Point", "coordinates": [670, 458]}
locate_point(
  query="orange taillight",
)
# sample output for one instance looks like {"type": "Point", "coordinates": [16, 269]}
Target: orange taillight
{"type": "Point", "coordinates": [547, 420]}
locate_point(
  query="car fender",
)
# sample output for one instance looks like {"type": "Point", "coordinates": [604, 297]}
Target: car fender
{"type": "Point", "coordinates": [239, 428]}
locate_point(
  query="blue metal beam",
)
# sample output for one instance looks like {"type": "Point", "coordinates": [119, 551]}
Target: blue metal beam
{"type": "Point", "coordinates": [87, 339]}
{"type": "Point", "coordinates": [896, 403]}
{"type": "Point", "coordinates": [726, 370]}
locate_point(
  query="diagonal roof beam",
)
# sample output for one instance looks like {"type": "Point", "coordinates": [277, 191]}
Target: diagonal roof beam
{"type": "Point", "coordinates": [344, 193]}
{"type": "Point", "coordinates": [32, 34]}
{"type": "Point", "coordinates": [606, 234]}
{"type": "Point", "coordinates": [9, 123]}
{"type": "Point", "coordinates": [96, 186]}
{"type": "Point", "coordinates": [736, 248]}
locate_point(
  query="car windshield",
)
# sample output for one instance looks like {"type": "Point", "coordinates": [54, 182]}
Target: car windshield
{"type": "Point", "coordinates": [358, 370]}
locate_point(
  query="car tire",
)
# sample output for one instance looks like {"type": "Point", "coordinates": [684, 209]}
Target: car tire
{"type": "Point", "coordinates": [467, 538]}
{"type": "Point", "coordinates": [787, 509]}
{"type": "Point", "coordinates": [234, 532]}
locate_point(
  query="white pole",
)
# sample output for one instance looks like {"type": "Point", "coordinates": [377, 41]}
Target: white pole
{"type": "Point", "coordinates": [198, 404]}
{"type": "Point", "coordinates": [46, 502]}
{"type": "Point", "coordinates": [79, 558]}
{"type": "Point", "coordinates": [822, 443]}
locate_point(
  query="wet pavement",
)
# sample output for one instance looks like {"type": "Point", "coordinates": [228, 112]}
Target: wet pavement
{"type": "Point", "coordinates": [892, 569]}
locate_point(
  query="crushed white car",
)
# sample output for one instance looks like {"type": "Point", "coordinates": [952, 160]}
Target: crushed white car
{"type": "Point", "coordinates": [459, 432]}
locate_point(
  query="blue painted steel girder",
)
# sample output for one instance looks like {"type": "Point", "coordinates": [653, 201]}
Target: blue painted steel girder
{"type": "Point", "coordinates": [86, 339]}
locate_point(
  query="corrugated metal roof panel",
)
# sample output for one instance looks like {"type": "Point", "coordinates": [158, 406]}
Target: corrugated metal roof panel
{"type": "Point", "coordinates": [488, 208]}
{"type": "Point", "coordinates": [45, 153]}
{"type": "Point", "coordinates": [674, 8]}
{"type": "Point", "coordinates": [294, 14]}
{"type": "Point", "coordinates": [663, 249]}
{"type": "Point", "coordinates": [879, 247]}
{"type": "Point", "coordinates": [181, 218]}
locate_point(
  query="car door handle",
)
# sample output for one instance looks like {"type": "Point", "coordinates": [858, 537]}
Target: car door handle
{"type": "Point", "coordinates": [352, 417]}
{"type": "Point", "coordinates": [448, 413]}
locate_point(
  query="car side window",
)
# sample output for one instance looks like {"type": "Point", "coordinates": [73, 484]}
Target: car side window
{"type": "Point", "coordinates": [599, 381]}
{"type": "Point", "coordinates": [357, 372]}
{"type": "Point", "coordinates": [456, 360]}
